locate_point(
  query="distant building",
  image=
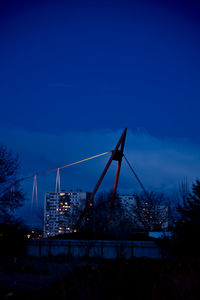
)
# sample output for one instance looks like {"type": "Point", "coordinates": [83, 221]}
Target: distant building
{"type": "Point", "coordinates": [128, 203]}
{"type": "Point", "coordinates": [62, 211]}
{"type": "Point", "coordinates": [152, 217]}
{"type": "Point", "coordinates": [144, 215]}
{"type": "Point", "coordinates": [160, 217]}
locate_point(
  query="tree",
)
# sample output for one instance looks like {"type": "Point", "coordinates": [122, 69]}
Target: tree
{"type": "Point", "coordinates": [193, 204]}
{"type": "Point", "coordinates": [11, 195]}
{"type": "Point", "coordinates": [150, 213]}
{"type": "Point", "coordinates": [111, 217]}
{"type": "Point", "coordinates": [102, 212]}
{"type": "Point", "coordinates": [188, 226]}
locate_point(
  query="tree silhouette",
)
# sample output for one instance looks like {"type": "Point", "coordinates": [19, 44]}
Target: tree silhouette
{"type": "Point", "coordinates": [188, 226]}
{"type": "Point", "coordinates": [11, 195]}
{"type": "Point", "coordinates": [150, 213]}
{"type": "Point", "coordinates": [111, 217]}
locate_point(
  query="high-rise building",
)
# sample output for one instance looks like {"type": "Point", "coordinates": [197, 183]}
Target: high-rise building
{"type": "Point", "coordinates": [62, 210]}
{"type": "Point", "coordinates": [128, 203]}
{"type": "Point", "coordinates": [145, 215]}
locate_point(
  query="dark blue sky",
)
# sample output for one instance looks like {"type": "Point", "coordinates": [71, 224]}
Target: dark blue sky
{"type": "Point", "coordinates": [73, 74]}
{"type": "Point", "coordinates": [84, 65]}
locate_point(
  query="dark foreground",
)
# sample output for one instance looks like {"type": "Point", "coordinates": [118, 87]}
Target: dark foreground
{"type": "Point", "coordinates": [137, 279]}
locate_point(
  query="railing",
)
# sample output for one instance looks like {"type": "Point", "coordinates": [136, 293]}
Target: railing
{"type": "Point", "coordinates": [94, 248]}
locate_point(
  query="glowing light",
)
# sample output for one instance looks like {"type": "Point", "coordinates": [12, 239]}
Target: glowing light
{"type": "Point", "coordinates": [62, 194]}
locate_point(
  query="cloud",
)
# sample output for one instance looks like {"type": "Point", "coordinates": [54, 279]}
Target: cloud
{"type": "Point", "coordinates": [161, 164]}
{"type": "Point", "coordinates": [63, 85]}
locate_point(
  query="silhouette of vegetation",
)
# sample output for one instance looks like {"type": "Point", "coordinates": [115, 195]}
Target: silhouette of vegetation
{"type": "Point", "coordinates": [109, 216]}
{"type": "Point", "coordinates": [11, 197]}
{"type": "Point", "coordinates": [97, 221]}
{"type": "Point", "coordinates": [186, 234]}
{"type": "Point", "coordinates": [151, 212]}
{"type": "Point", "coordinates": [114, 219]}
{"type": "Point", "coordinates": [140, 279]}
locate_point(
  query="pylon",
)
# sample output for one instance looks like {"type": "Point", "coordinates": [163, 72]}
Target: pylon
{"type": "Point", "coordinates": [116, 155]}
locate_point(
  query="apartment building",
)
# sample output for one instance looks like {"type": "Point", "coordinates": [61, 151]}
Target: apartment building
{"type": "Point", "coordinates": [62, 210]}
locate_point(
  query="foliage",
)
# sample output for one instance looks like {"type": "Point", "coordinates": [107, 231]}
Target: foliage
{"type": "Point", "coordinates": [121, 220]}
{"type": "Point", "coordinates": [11, 196]}
{"type": "Point", "coordinates": [188, 226]}
{"type": "Point", "coordinates": [150, 213]}
{"type": "Point", "coordinates": [109, 216]}
{"type": "Point", "coordinates": [12, 231]}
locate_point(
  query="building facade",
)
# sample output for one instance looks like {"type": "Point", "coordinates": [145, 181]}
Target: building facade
{"type": "Point", "coordinates": [62, 210]}
{"type": "Point", "coordinates": [144, 215]}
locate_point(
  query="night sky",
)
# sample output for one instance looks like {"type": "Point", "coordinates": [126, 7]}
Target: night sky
{"type": "Point", "coordinates": [74, 74]}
